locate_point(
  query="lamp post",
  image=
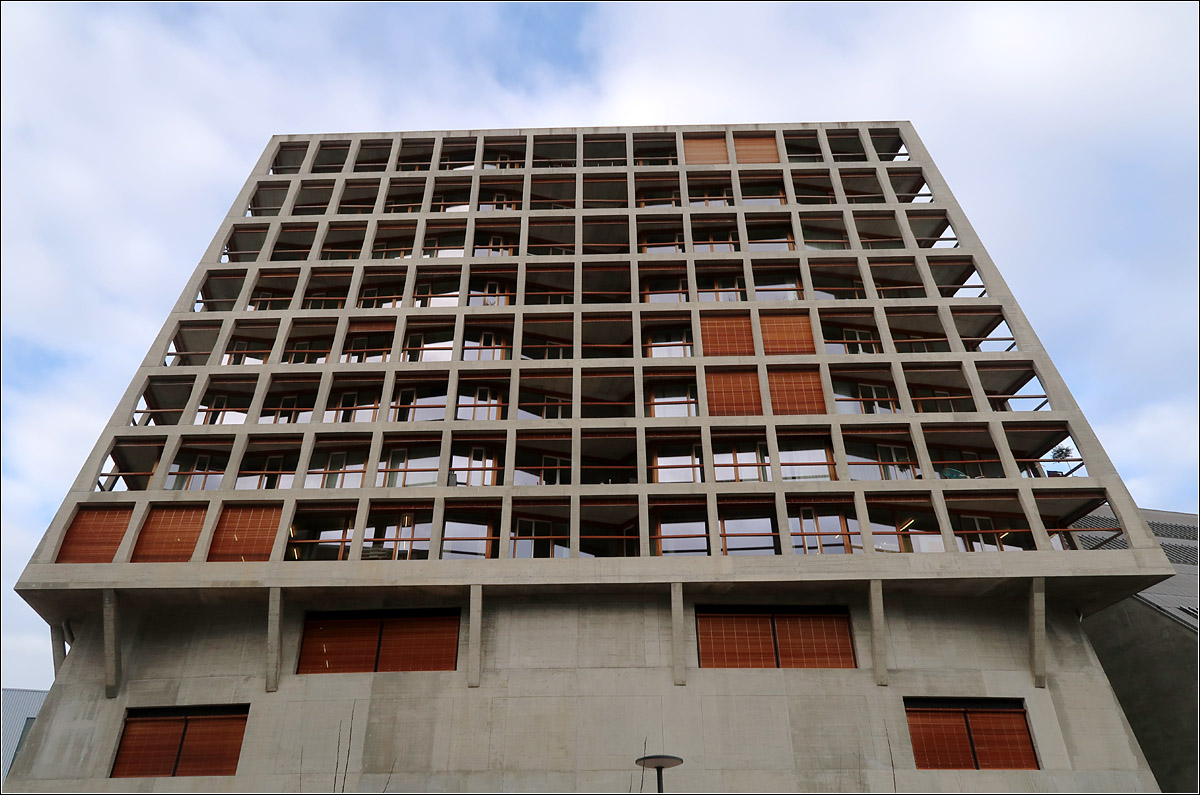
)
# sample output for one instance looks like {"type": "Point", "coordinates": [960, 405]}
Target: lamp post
{"type": "Point", "coordinates": [658, 762]}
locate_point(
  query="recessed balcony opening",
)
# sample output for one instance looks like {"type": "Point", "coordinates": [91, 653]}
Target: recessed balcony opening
{"type": "Point", "coordinates": [656, 190]}
{"type": "Point", "coordinates": [290, 400]}
{"type": "Point", "coordinates": [1063, 512]}
{"type": "Point", "coordinates": [331, 157]}
{"type": "Point", "coordinates": [910, 186]}
{"type": "Point", "coordinates": [665, 283]}
{"type": "Point", "coordinates": [289, 158]}
{"type": "Point", "coordinates": [608, 527]}
{"type": "Point", "coordinates": [802, 146]}
{"type": "Point", "coordinates": [547, 337]}
{"type": "Point", "coordinates": [813, 186]}
{"type": "Point", "coordinates": [674, 456]}
{"type": "Point", "coordinates": [846, 146]}
{"type": "Point", "coordinates": [552, 193]}
{"type": "Point", "coordinates": [458, 154]}
{"type": "Point", "coordinates": [763, 190]}
{"type": "Point", "coordinates": [679, 527]}
{"type": "Point", "coordinates": [544, 395]}
{"type": "Point", "coordinates": [394, 241]}
{"type": "Point", "coordinates": [540, 529]}
{"type": "Point", "coordinates": [162, 402]}
{"type": "Point", "coordinates": [710, 190]}
{"type": "Point", "coordinates": [269, 463]}
{"type": "Point", "coordinates": [310, 342]}
{"type": "Point", "coordinates": [748, 526]}
{"type": "Point", "coordinates": [409, 461]}
{"type": "Point", "coordinates": [381, 288]}
{"type": "Point", "coordinates": [715, 234]}
{"type": "Point", "coordinates": [482, 397]}
{"type": "Point", "coordinates": [129, 465]}
{"type": "Point", "coordinates": [219, 292]}
{"type": "Point", "coordinates": [437, 286]}
{"type": "Point", "coordinates": [344, 241]}
{"type": "Point", "coordinates": [497, 239]}
{"type": "Point", "coordinates": [404, 196]}
{"type": "Point", "coordinates": [244, 244]}
{"type": "Point", "coordinates": [1044, 450]}
{"type": "Point", "coordinates": [338, 462]}
{"type": "Point", "coordinates": [740, 455]}
{"type": "Point", "coordinates": [777, 281]}
{"type": "Point", "coordinates": [904, 523]}
{"type": "Point", "coordinates": [358, 197]}
{"type": "Point", "coordinates": [932, 230]}
{"type": "Point", "coordinates": [543, 458]}
{"type": "Point", "coordinates": [373, 156]}
{"type": "Point", "coordinates": [864, 390]}
{"type": "Point", "coordinates": [355, 398]}
{"type": "Point", "coordinates": [956, 277]}
{"type": "Point", "coordinates": [608, 457]}
{"type": "Point", "coordinates": [824, 232]}
{"type": "Point", "coordinates": [327, 289]}
{"type": "Point", "coordinates": [989, 522]}
{"type": "Point", "coordinates": [667, 336]}
{"type": "Point", "coordinates": [398, 531]}
{"type": "Point", "coordinates": [605, 236]}
{"type": "Point", "coordinates": [962, 452]}
{"type": "Point", "coordinates": [878, 230]}
{"type": "Point", "coordinates": [445, 239]}
{"type": "Point", "coordinates": [769, 233]}
{"type": "Point", "coordinates": [497, 195]}
{"type": "Point", "coordinates": [671, 393]}
{"type": "Point", "coordinates": [703, 149]}
{"type": "Point", "coordinates": [267, 200]}
{"type": "Point", "coordinates": [862, 187]}
{"type": "Point", "coordinates": [607, 394]}
{"type": "Point", "coordinates": [419, 397]}
{"type": "Point", "coordinates": [471, 530]}
{"type": "Point", "coordinates": [226, 401]}
{"type": "Point", "coordinates": [550, 151]}
{"type": "Point", "coordinates": [604, 151]}
{"type": "Point", "coordinates": [492, 286]}
{"type": "Point", "coordinates": [1013, 386]}
{"type": "Point", "coordinates": [488, 342]}
{"type": "Point", "coordinates": [836, 279]}
{"type": "Point", "coordinates": [806, 454]}
{"type": "Point", "coordinates": [250, 343]}
{"type": "Point", "coordinates": [450, 196]}
{"type": "Point", "coordinates": [820, 525]}
{"type": "Point", "coordinates": [606, 283]}
{"type": "Point", "coordinates": [896, 278]}
{"type": "Point", "coordinates": [984, 330]}
{"type": "Point", "coordinates": [415, 154]}
{"type": "Point", "coordinates": [850, 332]}
{"type": "Point", "coordinates": [660, 235]}
{"type": "Point", "coordinates": [938, 389]}
{"type": "Point", "coordinates": [321, 531]}
{"type": "Point", "coordinates": [889, 145]}
{"type": "Point", "coordinates": [607, 336]}
{"type": "Point", "coordinates": [551, 238]}
{"type": "Point", "coordinates": [880, 453]}
{"type": "Point", "coordinates": [654, 150]}
{"type": "Point", "coordinates": [503, 152]}
{"type": "Point", "coordinates": [477, 460]}
{"type": "Point", "coordinates": [428, 342]}
{"type": "Point", "coordinates": [313, 197]}
{"type": "Point", "coordinates": [917, 331]}
{"type": "Point", "coordinates": [550, 284]}
{"type": "Point", "coordinates": [199, 465]}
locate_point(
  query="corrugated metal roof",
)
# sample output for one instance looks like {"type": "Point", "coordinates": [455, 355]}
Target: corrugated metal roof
{"type": "Point", "coordinates": [17, 708]}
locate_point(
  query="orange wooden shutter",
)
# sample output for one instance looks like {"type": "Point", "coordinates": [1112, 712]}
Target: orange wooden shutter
{"type": "Point", "coordinates": [149, 747]}
{"type": "Point", "coordinates": [796, 392]}
{"type": "Point", "coordinates": [786, 335]}
{"type": "Point", "coordinates": [702, 151]}
{"type": "Point", "coordinates": [814, 641]}
{"type": "Point", "coordinates": [733, 393]}
{"type": "Point", "coordinates": [339, 645]}
{"type": "Point", "coordinates": [94, 535]}
{"type": "Point", "coordinates": [419, 643]}
{"type": "Point", "coordinates": [211, 746]}
{"type": "Point", "coordinates": [245, 533]}
{"type": "Point", "coordinates": [726, 335]}
{"type": "Point", "coordinates": [1002, 740]}
{"type": "Point", "coordinates": [169, 534]}
{"type": "Point", "coordinates": [735, 641]}
{"type": "Point", "coordinates": [755, 148]}
{"type": "Point", "coordinates": [371, 325]}
{"type": "Point", "coordinates": [940, 740]}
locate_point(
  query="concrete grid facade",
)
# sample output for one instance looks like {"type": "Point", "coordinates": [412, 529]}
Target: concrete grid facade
{"type": "Point", "coordinates": [591, 391]}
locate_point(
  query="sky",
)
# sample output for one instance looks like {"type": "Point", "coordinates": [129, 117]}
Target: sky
{"type": "Point", "coordinates": [1070, 140]}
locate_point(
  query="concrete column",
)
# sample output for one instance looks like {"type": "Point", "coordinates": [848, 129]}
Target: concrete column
{"type": "Point", "coordinates": [475, 637]}
{"type": "Point", "coordinates": [112, 648]}
{"type": "Point", "coordinates": [274, 641]}
{"type": "Point", "coordinates": [1037, 630]}
{"type": "Point", "coordinates": [58, 646]}
{"type": "Point", "coordinates": [878, 634]}
{"type": "Point", "coordinates": [678, 661]}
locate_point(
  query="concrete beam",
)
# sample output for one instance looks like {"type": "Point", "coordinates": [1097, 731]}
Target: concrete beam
{"type": "Point", "coordinates": [678, 663]}
{"type": "Point", "coordinates": [475, 637]}
{"type": "Point", "coordinates": [1037, 630]}
{"type": "Point", "coordinates": [112, 644]}
{"type": "Point", "coordinates": [274, 640]}
{"type": "Point", "coordinates": [878, 634]}
{"type": "Point", "coordinates": [58, 645]}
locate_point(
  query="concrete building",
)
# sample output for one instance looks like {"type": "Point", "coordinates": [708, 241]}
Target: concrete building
{"type": "Point", "coordinates": [488, 460]}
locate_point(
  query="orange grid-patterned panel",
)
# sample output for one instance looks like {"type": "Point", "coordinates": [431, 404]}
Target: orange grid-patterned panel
{"type": "Point", "coordinates": [339, 645]}
{"type": "Point", "coordinates": [733, 393]}
{"type": "Point", "coordinates": [419, 643]}
{"type": "Point", "coordinates": [94, 535]}
{"type": "Point", "coordinates": [245, 533]}
{"type": "Point", "coordinates": [705, 151]}
{"type": "Point", "coordinates": [149, 747]}
{"type": "Point", "coordinates": [726, 335]}
{"type": "Point", "coordinates": [814, 641]}
{"type": "Point", "coordinates": [755, 149]}
{"type": "Point", "coordinates": [940, 739]}
{"type": "Point", "coordinates": [1002, 740]}
{"type": "Point", "coordinates": [211, 745]}
{"type": "Point", "coordinates": [735, 641]}
{"type": "Point", "coordinates": [169, 534]}
{"type": "Point", "coordinates": [785, 335]}
{"type": "Point", "coordinates": [796, 392]}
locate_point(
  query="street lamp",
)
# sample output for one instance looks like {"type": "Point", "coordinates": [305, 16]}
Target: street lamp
{"type": "Point", "coordinates": [658, 762]}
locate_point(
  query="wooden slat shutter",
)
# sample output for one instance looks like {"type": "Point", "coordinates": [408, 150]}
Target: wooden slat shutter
{"type": "Point", "coordinates": [755, 148]}
{"type": "Point", "coordinates": [169, 534]}
{"type": "Point", "coordinates": [735, 641]}
{"type": "Point", "coordinates": [940, 740]}
{"type": "Point", "coordinates": [814, 641]}
{"type": "Point", "coordinates": [726, 335]}
{"type": "Point", "coordinates": [339, 645]}
{"type": "Point", "coordinates": [149, 747]}
{"type": "Point", "coordinates": [1002, 740]}
{"type": "Point", "coordinates": [785, 335]}
{"type": "Point", "coordinates": [733, 393]}
{"type": "Point", "coordinates": [94, 535]}
{"type": "Point", "coordinates": [245, 533]}
{"type": "Point", "coordinates": [796, 392]}
{"type": "Point", "coordinates": [371, 325]}
{"type": "Point", "coordinates": [419, 643]}
{"type": "Point", "coordinates": [211, 746]}
{"type": "Point", "coordinates": [705, 151]}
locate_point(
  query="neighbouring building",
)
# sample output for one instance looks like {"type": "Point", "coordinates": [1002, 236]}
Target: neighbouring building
{"type": "Point", "coordinates": [19, 708]}
{"type": "Point", "coordinates": [496, 459]}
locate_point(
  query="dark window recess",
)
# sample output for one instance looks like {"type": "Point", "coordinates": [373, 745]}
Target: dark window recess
{"type": "Point", "coordinates": [424, 640]}
{"type": "Point", "coordinates": [755, 637]}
